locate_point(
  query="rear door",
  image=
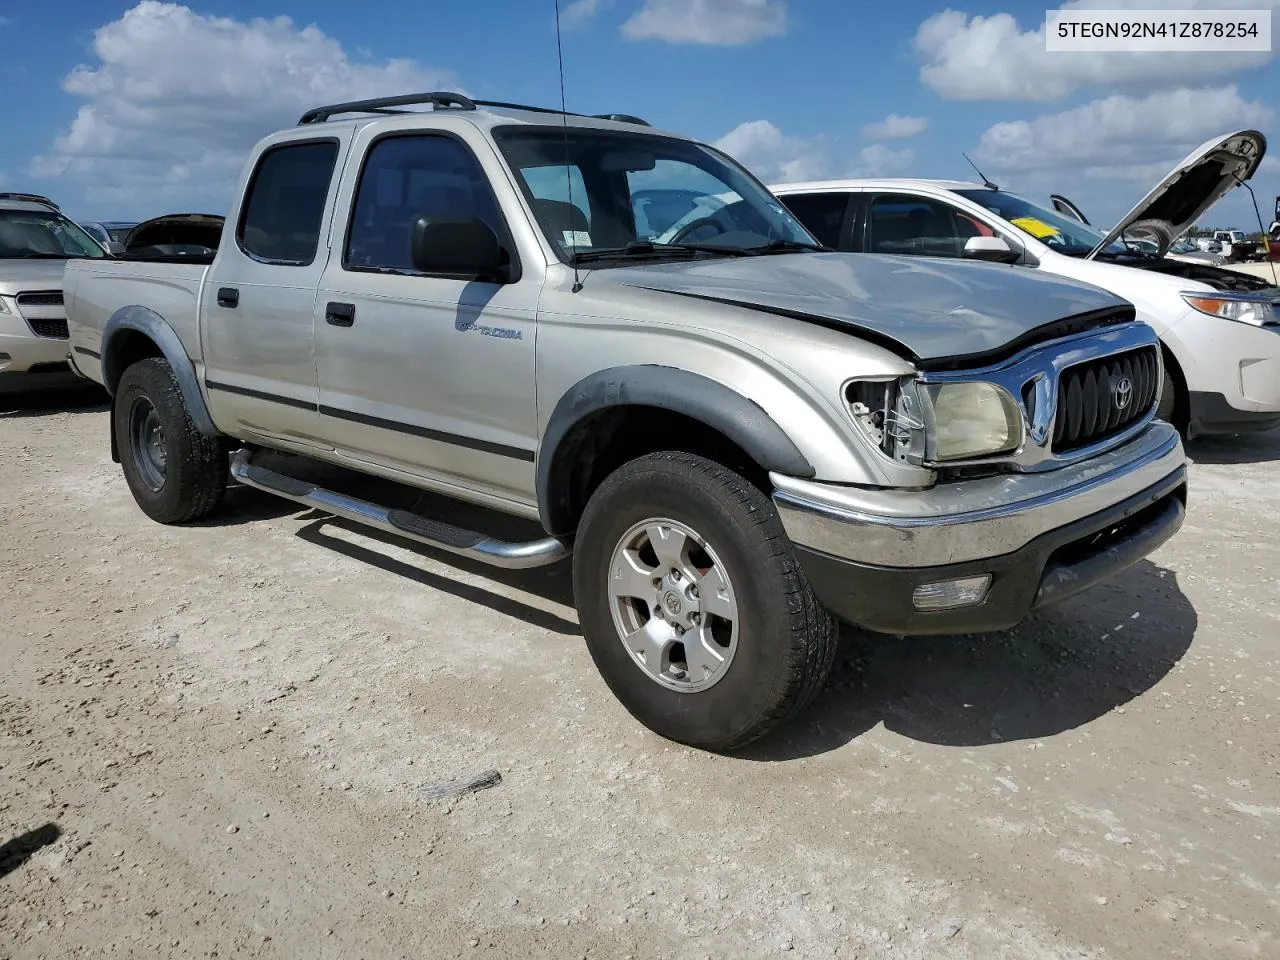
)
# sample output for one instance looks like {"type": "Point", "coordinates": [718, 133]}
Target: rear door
{"type": "Point", "coordinates": [258, 303]}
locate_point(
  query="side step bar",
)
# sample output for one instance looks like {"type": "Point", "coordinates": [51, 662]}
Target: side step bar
{"type": "Point", "coordinates": [434, 533]}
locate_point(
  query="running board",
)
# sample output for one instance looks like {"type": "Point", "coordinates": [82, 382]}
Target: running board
{"type": "Point", "coordinates": [434, 533]}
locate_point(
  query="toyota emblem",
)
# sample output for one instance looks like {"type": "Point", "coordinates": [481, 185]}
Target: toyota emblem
{"type": "Point", "coordinates": [1122, 393]}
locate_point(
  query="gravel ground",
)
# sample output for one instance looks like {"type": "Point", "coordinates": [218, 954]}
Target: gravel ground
{"type": "Point", "coordinates": [229, 739]}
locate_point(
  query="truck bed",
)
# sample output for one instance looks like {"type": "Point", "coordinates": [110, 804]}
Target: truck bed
{"type": "Point", "coordinates": [95, 289]}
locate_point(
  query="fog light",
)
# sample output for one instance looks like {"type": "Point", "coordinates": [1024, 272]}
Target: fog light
{"type": "Point", "coordinates": [965, 592]}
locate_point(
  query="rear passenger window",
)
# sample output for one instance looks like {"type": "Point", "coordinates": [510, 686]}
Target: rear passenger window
{"type": "Point", "coordinates": [821, 213]}
{"type": "Point", "coordinates": [285, 204]}
{"type": "Point", "coordinates": [408, 177]}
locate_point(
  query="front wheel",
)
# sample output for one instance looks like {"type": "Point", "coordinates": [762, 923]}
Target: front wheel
{"type": "Point", "coordinates": [1173, 405]}
{"type": "Point", "coordinates": [693, 605]}
{"type": "Point", "coordinates": [176, 473]}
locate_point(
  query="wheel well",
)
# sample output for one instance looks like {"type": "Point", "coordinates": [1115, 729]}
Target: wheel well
{"type": "Point", "coordinates": [127, 347]}
{"type": "Point", "coordinates": [603, 441]}
{"type": "Point", "coordinates": [1181, 405]}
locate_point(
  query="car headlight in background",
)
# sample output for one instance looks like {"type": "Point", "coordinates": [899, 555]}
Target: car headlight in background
{"type": "Point", "coordinates": [973, 420]}
{"type": "Point", "coordinates": [1259, 311]}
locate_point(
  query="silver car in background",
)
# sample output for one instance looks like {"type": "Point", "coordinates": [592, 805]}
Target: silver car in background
{"type": "Point", "coordinates": [36, 241]}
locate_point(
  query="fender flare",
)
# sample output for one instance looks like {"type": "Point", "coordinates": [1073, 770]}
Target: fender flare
{"type": "Point", "coordinates": [723, 409]}
{"type": "Point", "coordinates": [153, 326]}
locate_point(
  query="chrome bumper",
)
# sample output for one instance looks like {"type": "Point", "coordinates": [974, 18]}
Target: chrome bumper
{"type": "Point", "coordinates": [970, 519]}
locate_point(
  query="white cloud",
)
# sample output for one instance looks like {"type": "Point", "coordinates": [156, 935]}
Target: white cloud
{"type": "Point", "coordinates": [778, 158]}
{"type": "Point", "coordinates": [993, 58]}
{"type": "Point", "coordinates": [579, 14]}
{"type": "Point", "coordinates": [716, 22]}
{"type": "Point", "coordinates": [1121, 137]}
{"type": "Point", "coordinates": [176, 99]}
{"type": "Point", "coordinates": [895, 127]}
{"type": "Point", "coordinates": [1110, 152]}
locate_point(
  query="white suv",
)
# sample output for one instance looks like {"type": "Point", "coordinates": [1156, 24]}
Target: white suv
{"type": "Point", "coordinates": [1220, 328]}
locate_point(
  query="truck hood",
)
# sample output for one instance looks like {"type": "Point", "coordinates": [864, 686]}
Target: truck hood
{"type": "Point", "coordinates": [17, 275]}
{"type": "Point", "coordinates": [928, 309]}
{"type": "Point", "coordinates": [1202, 179]}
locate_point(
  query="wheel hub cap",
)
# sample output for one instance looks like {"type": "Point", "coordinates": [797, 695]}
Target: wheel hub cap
{"type": "Point", "coordinates": [673, 605]}
{"type": "Point", "coordinates": [147, 437]}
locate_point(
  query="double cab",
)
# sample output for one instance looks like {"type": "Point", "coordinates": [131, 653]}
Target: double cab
{"type": "Point", "coordinates": [739, 436]}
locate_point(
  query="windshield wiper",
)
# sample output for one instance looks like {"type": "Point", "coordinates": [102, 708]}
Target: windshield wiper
{"type": "Point", "coordinates": [786, 246]}
{"type": "Point", "coordinates": [40, 256]}
{"type": "Point", "coordinates": [644, 250]}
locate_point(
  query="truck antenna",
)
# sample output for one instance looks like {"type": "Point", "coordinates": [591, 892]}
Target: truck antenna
{"type": "Point", "coordinates": [985, 182]}
{"type": "Point", "coordinates": [1265, 240]}
{"type": "Point", "coordinates": [568, 169]}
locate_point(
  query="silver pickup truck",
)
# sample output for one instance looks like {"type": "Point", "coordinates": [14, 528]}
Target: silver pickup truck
{"type": "Point", "coordinates": [739, 436]}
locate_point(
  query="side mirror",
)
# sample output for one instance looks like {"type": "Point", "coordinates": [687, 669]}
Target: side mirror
{"type": "Point", "coordinates": [466, 249]}
{"type": "Point", "coordinates": [990, 249]}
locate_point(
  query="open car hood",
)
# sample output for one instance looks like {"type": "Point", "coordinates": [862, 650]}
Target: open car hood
{"type": "Point", "coordinates": [1207, 175]}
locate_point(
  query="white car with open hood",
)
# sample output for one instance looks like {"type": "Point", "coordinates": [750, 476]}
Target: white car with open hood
{"type": "Point", "coordinates": [1220, 328]}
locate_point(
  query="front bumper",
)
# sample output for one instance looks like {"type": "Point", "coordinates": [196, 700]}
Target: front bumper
{"type": "Point", "coordinates": [1040, 537]}
{"type": "Point", "coordinates": [1232, 372]}
{"type": "Point", "coordinates": [28, 362]}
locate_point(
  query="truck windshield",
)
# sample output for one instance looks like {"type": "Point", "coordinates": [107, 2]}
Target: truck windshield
{"type": "Point", "coordinates": [43, 235]}
{"type": "Point", "coordinates": [1052, 229]}
{"type": "Point", "coordinates": [606, 195]}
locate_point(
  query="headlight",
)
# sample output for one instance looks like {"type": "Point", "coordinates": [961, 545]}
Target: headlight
{"type": "Point", "coordinates": [4, 306]}
{"type": "Point", "coordinates": [1259, 311]}
{"type": "Point", "coordinates": [973, 420]}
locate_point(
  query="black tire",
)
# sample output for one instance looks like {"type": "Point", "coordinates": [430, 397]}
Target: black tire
{"type": "Point", "coordinates": [193, 478]}
{"type": "Point", "coordinates": [785, 641]}
{"type": "Point", "coordinates": [1173, 404]}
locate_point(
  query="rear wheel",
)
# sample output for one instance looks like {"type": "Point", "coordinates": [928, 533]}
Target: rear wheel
{"type": "Point", "coordinates": [176, 473]}
{"type": "Point", "coordinates": [693, 604]}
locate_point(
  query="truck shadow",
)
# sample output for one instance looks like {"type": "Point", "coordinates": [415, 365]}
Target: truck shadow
{"type": "Point", "coordinates": [1057, 671]}
{"type": "Point", "coordinates": [552, 583]}
{"type": "Point", "coordinates": [1239, 448]}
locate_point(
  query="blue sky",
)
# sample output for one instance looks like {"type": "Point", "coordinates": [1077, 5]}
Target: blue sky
{"type": "Point", "coordinates": [126, 109]}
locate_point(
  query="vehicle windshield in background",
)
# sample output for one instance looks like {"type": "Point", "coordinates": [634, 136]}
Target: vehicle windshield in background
{"type": "Point", "coordinates": [636, 196]}
{"type": "Point", "coordinates": [40, 235]}
{"type": "Point", "coordinates": [1052, 229]}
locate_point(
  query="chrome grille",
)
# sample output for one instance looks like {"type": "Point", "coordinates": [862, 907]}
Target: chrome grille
{"type": "Point", "coordinates": [1100, 398]}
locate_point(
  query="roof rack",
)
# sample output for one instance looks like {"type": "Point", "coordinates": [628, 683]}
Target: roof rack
{"type": "Point", "coordinates": [621, 118]}
{"type": "Point", "coordinates": [442, 100]}
{"type": "Point", "coordinates": [29, 198]}
{"type": "Point", "coordinates": [387, 105]}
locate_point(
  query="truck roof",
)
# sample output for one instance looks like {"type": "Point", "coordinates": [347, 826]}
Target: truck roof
{"type": "Point", "coordinates": [484, 114]}
{"type": "Point", "coordinates": [26, 201]}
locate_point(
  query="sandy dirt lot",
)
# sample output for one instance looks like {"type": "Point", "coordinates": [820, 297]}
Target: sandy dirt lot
{"type": "Point", "coordinates": [223, 740]}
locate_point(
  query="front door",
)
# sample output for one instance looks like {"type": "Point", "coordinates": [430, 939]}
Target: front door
{"type": "Point", "coordinates": [260, 297]}
{"type": "Point", "coordinates": [426, 374]}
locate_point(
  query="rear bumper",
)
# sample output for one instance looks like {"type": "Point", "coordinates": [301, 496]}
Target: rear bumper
{"type": "Point", "coordinates": [1039, 536]}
